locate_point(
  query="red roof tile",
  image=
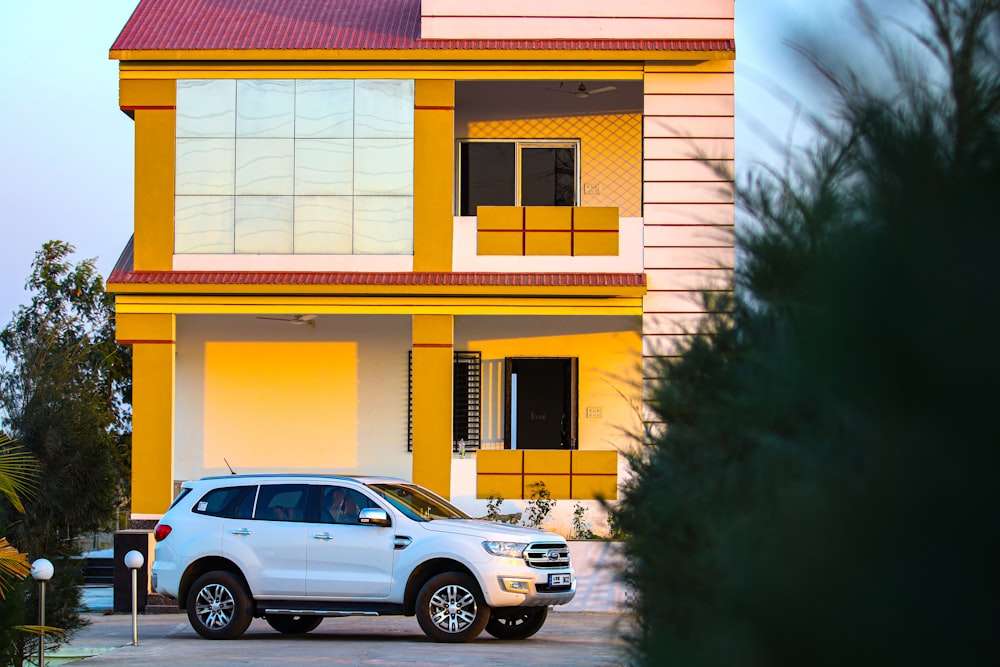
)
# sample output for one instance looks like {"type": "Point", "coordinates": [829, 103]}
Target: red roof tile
{"type": "Point", "coordinates": [158, 25]}
{"type": "Point", "coordinates": [123, 273]}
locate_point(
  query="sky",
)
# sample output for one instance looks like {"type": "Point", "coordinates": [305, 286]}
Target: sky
{"type": "Point", "coordinates": [66, 149]}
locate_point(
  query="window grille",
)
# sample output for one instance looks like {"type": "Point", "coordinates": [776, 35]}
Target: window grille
{"type": "Point", "coordinates": [466, 401]}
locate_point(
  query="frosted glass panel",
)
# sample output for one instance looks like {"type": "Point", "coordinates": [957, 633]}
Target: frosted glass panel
{"type": "Point", "coordinates": [323, 225]}
{"type": "Point", "coordinates": [383, 226]}
{"type": "Point", "coordinates": [324, 109]}
{"type": "Point", "coordinates": [206, 108]}
{"type": "Point", "coordinates": [265, 166]}
{"type": "Point", "coordinates": [324, 166]}
{"type": "Point", "coordinates": [264, 225]}
{"type": "Point", "coordinates": [203, 224]}
{"type": "Point", "coordinates": [383, 166]}
{"type": "Point", "coordinates": [383, 109]}
{"type": "Point", "coordinates": [265, 108]}
{"type": "Point", "coordinates": [294, 166]}
{"type": "Point", "coordinates": [205, 166]}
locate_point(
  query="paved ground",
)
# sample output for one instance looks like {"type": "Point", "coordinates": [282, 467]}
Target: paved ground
{"type": "Point", "coordinates": [568, 638]}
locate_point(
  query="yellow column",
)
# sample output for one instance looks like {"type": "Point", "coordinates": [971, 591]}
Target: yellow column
{"type": "Point", "coordinates": [433, 174]}
{"type": "Point", "coordinates": [433, 359]}
{"type": "Point", "coordinates": [153, 340]}
{"type": "Point", "coordinates": [152, 105]}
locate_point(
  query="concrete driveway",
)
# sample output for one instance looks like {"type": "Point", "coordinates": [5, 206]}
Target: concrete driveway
{"type": "Point", "coordinates": [568, 638]}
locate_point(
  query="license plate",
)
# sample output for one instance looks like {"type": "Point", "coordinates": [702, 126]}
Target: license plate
{"type": "Point", "coordinates": [560, 580]}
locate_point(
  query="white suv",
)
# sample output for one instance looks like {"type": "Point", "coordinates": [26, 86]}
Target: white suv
{"type": "Point", "coordinates": [297, 548]}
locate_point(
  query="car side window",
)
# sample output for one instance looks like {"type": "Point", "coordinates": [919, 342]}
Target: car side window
{"type": "Point", "coordinates": [341, 505]}
{"type": "Point", "coordinates": [228, 502]}
{"type": "Point", "coordinates": [282, 502]}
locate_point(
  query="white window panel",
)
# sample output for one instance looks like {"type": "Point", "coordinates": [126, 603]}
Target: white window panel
{"type": "Point", "coordinates": [323, 225]}
{"type": "Point", "coordinates": [383, 109]}
{"type": "Point", "coordinates": [203, 225]}
{"type": "Point", "coordinates": [265, 166]}
{"type": "Point", "coordinates": [383, 166]}
{"type": "Point", "coordinates": [206, 108]}
{"type": "Point", "coordinates": [264, 225]}
{"type": "Point", "coordinates": [205, 166]}
{"type": "Point", "coordinates": [265, 108]}
{"type": "Point", "coordinates": [324, 166]}
{"type": "Point", "coordinates": [324, 109]}
{"type": "Point", "coordinates": [383, 225]}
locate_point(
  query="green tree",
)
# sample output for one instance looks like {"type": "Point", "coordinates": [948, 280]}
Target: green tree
{"type": "Point", "coordinates": [64, 396]}
{"type": "Point", "coordinates": [824, 491]}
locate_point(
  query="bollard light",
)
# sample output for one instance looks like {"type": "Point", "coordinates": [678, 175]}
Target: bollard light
{"type": "Point", "coordinates": [133, 561]}
{"type": "Point", "coordinates": [41, 571]}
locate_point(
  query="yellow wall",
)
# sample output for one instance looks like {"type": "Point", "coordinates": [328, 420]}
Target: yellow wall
{"type": "Point", "coordinates": [609, 353]}
{"type": "Point", "coordinates": [152, 337]}
{"type": "Point", "coordinates": [610, 152]}
{"type": "Point", "coordinates": [273, 397]}
{"type": "Point", "coordinates": [433, 370]}
{"type": "Point", "coordinates": [433, 128]}
{"type": "Point", "coordinates": [547, 230]}
{"type": "Point", "coordinates": [152, 102]}
{"type": "Point", "coordinates": [576, 475]}
{"type": "Point", "coordinates": [272, 405]}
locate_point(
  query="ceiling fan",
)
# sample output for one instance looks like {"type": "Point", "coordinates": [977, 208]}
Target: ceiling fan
{"type": "Point", "coordinates": [294, 319]}
{"type": "Point", "coordinates": [582, 91]}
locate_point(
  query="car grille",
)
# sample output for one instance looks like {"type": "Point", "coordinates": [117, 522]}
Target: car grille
{"type": "Point", "coordinates": [547, 555]}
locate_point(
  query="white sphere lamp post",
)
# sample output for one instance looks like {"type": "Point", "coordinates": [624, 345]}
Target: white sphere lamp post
{"type": "Point", "coordinates": [41, 571]}
{"type": "Point", "coordinates": [133, 561]}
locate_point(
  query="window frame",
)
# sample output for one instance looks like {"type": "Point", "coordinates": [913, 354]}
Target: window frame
{"type": "Point", "coordinates": [519, 146]}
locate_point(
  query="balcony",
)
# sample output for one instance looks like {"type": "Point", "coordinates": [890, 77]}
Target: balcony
{"type": "Point", "coordinates": [528, 239]}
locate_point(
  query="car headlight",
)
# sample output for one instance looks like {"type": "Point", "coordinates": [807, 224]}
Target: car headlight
{"type": "Point", "coordinates": [505, 549]}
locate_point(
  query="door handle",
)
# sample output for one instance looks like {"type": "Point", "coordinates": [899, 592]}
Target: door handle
{"type": "Point", "coordinates": [241, 531]}
{"type": "Point", "coordinates": [322, 536]}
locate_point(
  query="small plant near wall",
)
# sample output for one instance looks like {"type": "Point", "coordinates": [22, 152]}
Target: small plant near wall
{"type": "Point", "coordinates": [493, 504]}
{"type": "Point", "coordinates": [615, 531]}
{"type": "Point", "coordinates": [581, 526]}
{"type": "Point", "coordinates": [539, 507]}
{"type": "Point", "coordinates": [494, 514]}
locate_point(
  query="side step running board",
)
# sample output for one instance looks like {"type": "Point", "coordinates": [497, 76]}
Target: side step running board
{"type": "Point", "coordinates": [319, 612]}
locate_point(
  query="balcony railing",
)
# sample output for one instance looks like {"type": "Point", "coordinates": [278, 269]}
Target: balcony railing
{"type": "Point", "coordinates": [548, 239]}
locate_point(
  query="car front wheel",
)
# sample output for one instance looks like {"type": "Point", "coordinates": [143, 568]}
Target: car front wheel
{"type": "Point", "coordinates": [219, 606]}
{"type": "Point", "coordinates": [451, 608]}
{"type": "Point", "coordinates": [516, 623]}
{"type": "Point", "coordinates": [293, 625]}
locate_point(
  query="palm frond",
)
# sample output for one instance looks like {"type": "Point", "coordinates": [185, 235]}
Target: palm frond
{"type": "Point", "coordinates": [18, 472]}
{"type": "Point", "coordinates": [13, 566]}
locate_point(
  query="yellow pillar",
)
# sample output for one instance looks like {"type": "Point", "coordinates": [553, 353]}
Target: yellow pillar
{"type": "Point", "coordinates": [152, 105]}
{"type": "Point", "coordinates": [153, 341]}
{"type": "Point", "coordinates": [433, 174]}
{"type": "Point", "coordinates": [433, 359]}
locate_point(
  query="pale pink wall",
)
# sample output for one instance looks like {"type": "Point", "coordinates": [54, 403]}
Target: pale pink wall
{"type": "Point", "coordinates": [688, 207]}
{"type": "Point", "coordinates": [577, 19]}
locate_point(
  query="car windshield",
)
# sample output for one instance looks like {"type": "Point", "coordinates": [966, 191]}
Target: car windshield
{"type": "Point", "coordinates": [418, 503]}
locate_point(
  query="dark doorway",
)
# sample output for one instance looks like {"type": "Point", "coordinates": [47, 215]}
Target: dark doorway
{"type": "Point", "coordinates": [541, 403]}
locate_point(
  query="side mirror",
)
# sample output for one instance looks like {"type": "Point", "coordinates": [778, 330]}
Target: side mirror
{"type": "Point", "coordinates": [373, 516]}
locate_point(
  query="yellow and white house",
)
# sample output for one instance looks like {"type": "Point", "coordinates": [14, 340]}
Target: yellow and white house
{"type": "Point", "coordinates": [433, 239]}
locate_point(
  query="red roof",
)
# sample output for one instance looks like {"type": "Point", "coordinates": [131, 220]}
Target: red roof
{"type": "Point", "coordinates": [158, 25]}
{"type": "Point", "coordinates": [123, 273]}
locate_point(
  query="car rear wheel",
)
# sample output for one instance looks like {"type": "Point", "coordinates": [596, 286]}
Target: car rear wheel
{"type": "Point", "coordinates": [451, 608]}
{"type": "Point", "coordinates": [293, 625]}
{"type": "Point", "coordinates": [218, 606]}
{"type": "Point", "coordinates": [516, 623]}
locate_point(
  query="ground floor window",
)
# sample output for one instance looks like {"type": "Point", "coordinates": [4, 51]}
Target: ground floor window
{"type": "Point", "coordinates": [531, 403]}
{"type": "Point", "coordinates": [541, 403]}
